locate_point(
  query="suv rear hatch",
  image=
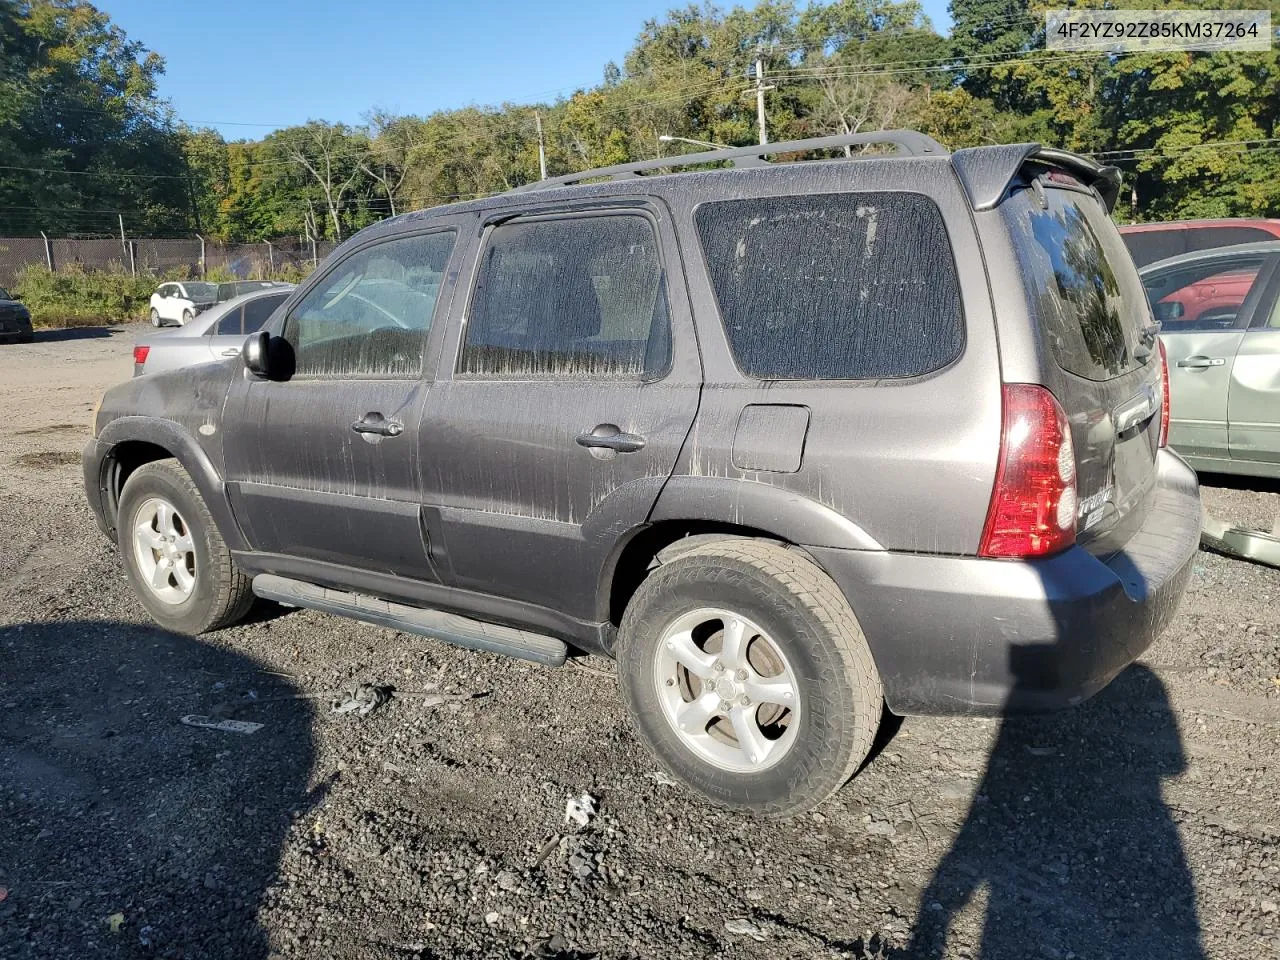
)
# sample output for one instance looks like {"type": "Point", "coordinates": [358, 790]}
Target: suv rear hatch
{"type": "Point", "coordinates": [1103, 363]}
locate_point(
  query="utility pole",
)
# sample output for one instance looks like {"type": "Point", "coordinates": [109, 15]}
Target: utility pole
{"type": "Point", "coordinates": [127, 247]}
{"type": "Point", "coordinates": [759, 92]}
{"type": "Point", "coordinates": [542, 147]}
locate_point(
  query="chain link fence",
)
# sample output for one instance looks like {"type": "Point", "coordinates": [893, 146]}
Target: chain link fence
{"type": "Point", "coordinates": [159, 256]}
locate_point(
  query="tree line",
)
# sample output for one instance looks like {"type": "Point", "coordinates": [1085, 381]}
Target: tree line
{"type": "Point", "coordinates": [84, 134]}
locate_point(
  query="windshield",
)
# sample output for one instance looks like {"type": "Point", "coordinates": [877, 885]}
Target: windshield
{"type": "Point", "coordinates": [200, 291]}
{"type": "Point", "coordinates": [1081, 282]}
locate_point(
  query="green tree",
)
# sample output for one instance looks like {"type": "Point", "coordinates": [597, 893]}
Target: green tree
{"type": "Point", "coordinates": [80, 115]}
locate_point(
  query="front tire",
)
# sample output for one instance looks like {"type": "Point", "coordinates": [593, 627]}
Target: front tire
{"type": "Point", "coordinates": [178, 563]}
{"type": "Point", "coordinates": [187, 317]}
{"type": "Point", "coordinates": [155, 317]}
{"type": "Point", "coordinates": [748, 676]}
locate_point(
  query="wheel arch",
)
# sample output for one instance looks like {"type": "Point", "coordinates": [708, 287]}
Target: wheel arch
{"type": "Point", "coordinates": [649, 546]}
{"type": "Point", "coordinates": [133, 441]}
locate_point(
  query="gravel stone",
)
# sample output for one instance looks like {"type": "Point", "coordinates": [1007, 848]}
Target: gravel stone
{"type": "Point", "coordinates": [1141, 824]}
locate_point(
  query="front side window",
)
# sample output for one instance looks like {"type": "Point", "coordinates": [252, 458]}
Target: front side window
{"type": "Point", "coordinates": [1202, 296]}
{"type": "Point", "coordinates": [370, 315]}
{"type": "Point", "coordinates": [579, 297]}
{"type": "Point", "coordinates": [257, 312]}
{"type": "Point", "coordinates": [843, 286]}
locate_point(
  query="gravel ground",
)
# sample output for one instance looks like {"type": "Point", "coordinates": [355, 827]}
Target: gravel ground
{"type": "Point", "coordinates": [1145, 824]}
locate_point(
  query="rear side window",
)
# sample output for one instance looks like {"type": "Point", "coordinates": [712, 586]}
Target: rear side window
{"type": "Point", "coordinates": [1080, 281]}
{"type": "Point", "coordinates": [578, 297]}
{"type": "Point", "coordinates": [844, 286]}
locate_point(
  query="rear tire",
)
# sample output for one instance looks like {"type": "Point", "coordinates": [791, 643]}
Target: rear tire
{"type": "Point", "coordinates": [818, 697]}
{"type": "Point", "coordinates": [178, 563]}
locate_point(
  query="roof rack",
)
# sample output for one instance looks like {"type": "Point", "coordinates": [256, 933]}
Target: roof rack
{"type": "Point", "coordinates": [908, 142]}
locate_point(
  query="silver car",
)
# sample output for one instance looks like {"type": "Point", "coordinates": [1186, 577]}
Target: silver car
{"type": "Point", "coordinates": [217, 333]}
{"type": "Point", "coordinates": [1220, 323]}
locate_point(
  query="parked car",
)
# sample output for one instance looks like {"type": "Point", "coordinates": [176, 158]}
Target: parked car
{"type": "Point", "coordinates": [15, 319]}
{"type": "Point", "coordinates": [1220, 324]}
{"type": "Point", "coordinates": [236, 288]}
{"type": "Point", "coordinates": [217, 333]}
{"type": "Point", "coordinates": [790, 441]}
{"type": "Point", "coordinates": [178, 303]}
{"type": "Point", "coordinates": [1149, 242]}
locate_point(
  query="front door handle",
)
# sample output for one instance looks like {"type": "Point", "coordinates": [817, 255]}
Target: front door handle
{"type": "Point", "coordinates": [232, 352]}
{"type": "Point", "coordinates": [607, 436]}
{"type": "Point", "coordinates": [375, 423]}
{"type": "Point", "coordinates": [1202, 363]}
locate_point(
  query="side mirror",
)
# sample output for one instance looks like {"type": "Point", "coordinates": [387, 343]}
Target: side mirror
{"type": "Point", "coordinates": [1170, 310]}
{"type": "Point", "coordinates": [256, 353]}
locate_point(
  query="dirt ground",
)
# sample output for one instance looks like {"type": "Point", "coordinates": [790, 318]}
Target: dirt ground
{"type": "Point", "coordinates": [1145, 824]}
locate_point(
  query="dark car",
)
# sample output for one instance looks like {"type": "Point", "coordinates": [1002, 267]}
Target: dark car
{"type": "Point", "coordinates": [15, 319]}
{"type": "Point", "coordinates": [1149, 242]}
{"type": "Point", "coordinates": [790, 441]}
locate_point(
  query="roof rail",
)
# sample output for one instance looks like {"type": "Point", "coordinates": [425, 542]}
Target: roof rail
{"type": "Point", "coordinates": [908, 142]}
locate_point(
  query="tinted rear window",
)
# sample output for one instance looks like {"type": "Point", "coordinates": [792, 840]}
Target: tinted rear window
{"type": "Point", "coordinates": [1080, 280]}
{"type": "Point", "coordinates": [1149, 246]}
{"type": "Point", "coordinates": [1210, 238]}
{"type": "Point", "coordinates": [844, 286]}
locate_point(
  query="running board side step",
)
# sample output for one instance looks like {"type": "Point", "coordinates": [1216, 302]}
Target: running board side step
{"type": "Point", "coordinates": [462, 631]}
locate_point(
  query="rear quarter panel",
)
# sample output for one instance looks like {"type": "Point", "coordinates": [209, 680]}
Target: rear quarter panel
{"type": "Point", "coordinates": [910, 463]}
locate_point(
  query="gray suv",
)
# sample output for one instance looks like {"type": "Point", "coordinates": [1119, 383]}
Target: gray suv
{"type": "Point", "coordinates": [791, 442]}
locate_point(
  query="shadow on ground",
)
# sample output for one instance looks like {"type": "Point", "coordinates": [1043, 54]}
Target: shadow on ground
{"type": "Point", "coordinates": [1233, 481]}
{"type": "Point", "coordinates": [1069, 840]}
{"type": "Point", "coordinates": [78, 333]}
{"type": "Point", "coordinates": [127, 833]}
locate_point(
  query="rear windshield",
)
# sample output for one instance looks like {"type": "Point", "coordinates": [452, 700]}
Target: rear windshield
{"type": "Point", "coordinates": [1081, 284]}
{"type": "Point", "coordinates": [839, 286]}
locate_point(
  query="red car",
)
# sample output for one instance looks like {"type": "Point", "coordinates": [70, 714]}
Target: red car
{"type": "Point", "coordinates": [1149, 242]}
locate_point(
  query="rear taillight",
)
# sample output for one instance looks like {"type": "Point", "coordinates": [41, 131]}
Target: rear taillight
{"type": "Point", "coordinates": [140, 354]}
{"type": "Point", "coordinates": [1033, 504]}
{"type": "Point", "coordinates": [1164, 395]}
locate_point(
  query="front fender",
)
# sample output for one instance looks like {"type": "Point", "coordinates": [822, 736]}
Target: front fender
{"type": "Point", "coordinates": [187, 450]}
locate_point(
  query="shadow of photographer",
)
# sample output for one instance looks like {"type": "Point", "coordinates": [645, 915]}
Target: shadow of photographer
{"type": "Point", "coordinates": [1068, 836]}
{"type": "Point", "coordinates": [125, 831]}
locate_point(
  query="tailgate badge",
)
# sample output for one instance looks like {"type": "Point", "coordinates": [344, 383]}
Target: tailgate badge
{"type": "Point", "coordinates": [1093, 506]}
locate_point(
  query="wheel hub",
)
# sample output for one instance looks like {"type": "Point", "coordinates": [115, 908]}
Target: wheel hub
{"type": "Point", "coordinates": [164, 550]}
{"type": "Point", "coordinates": [727, 690]}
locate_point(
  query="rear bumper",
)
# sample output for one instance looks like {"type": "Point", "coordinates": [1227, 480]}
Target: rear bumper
{"type": "Point", "coordinates": [962, 635]}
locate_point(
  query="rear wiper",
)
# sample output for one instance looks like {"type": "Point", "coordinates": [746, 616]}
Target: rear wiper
{"type": "Point", "coordinates": [1149, 333]}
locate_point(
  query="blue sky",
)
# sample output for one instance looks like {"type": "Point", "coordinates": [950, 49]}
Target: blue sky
{"type": "Point", "coordinates": [259, 65]}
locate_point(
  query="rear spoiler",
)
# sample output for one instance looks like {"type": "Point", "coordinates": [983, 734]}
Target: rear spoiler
{"type": "Point", "coordinates": [986, 172]}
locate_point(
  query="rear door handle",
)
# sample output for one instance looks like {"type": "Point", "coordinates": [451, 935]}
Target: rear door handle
{"type": "Point", "coordinates": [608, 437]}
{"type": "Point", "coordinates": [375, 423]}
{"type": "Point", "coordinates": [1202, 363]}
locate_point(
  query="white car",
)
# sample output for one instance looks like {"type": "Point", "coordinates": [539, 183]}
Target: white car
{"type": "Point", "coordinates": [178, 303]}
